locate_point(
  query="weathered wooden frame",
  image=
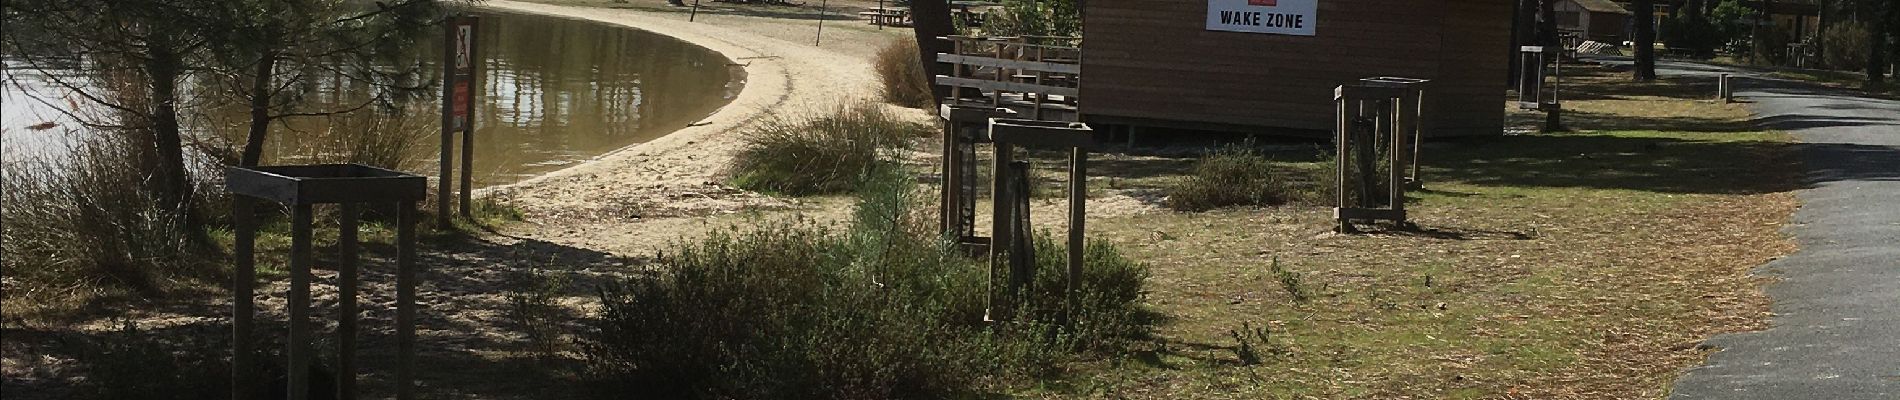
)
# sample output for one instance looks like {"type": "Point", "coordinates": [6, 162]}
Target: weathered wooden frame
{"type": "Point", "coordinates": [1415, 93]}
{"type": "Point", "coordinates": [1391, 111]}
{"type": "Point", "coordinates": [964, 128]}
{"type": "Point", "coordinates": [1007, 134]}
{"type": "Point", "coordinates": [301, 187]}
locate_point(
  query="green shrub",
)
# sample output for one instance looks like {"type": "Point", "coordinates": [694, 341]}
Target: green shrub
{"type": "Point", "coordinates": [1035, 18]}
{"type": "Point", "coordinates": [1238, 176]}
{"type": "Point", "coordinates": [1846, 43]}
{"type": "Point", "coordinates": [826, 154]}
{"type": "Point", "coordinates": [905, 81]}
{"type": "Point", "coordinates": [83, 226]}
{"type": "Point", "coordinates": [885, 309]}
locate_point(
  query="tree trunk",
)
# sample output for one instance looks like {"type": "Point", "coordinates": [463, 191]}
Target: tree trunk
{"type": "Point", "coordinates": [1547, 34]}
{"type": "Point", "coordinates": [931, 19]}
{"type": "Point", "coordinates": [260, 110]}
{"type": "Point", "coordinates": [165, 67]}
{"type": "Point", "coordinates": [1879, 27]}
{"type": "Point", "coordinates": [1523, 33]}
{"type": "Point", "coordinates": [1645, 40]}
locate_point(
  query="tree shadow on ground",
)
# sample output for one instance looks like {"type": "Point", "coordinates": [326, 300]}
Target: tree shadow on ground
{"type": "Point", "coordinates": [1666, 165]}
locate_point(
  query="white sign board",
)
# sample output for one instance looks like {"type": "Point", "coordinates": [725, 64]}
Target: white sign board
{"type": "Point", "coordinates": [1280, 17]}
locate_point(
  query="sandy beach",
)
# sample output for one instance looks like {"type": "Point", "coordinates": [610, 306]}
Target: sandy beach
{"type": "Point", "coordinates": [596, 204]}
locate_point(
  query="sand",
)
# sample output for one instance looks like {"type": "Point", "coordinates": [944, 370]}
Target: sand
{"type": "Point", "coordinates": [646, 188]}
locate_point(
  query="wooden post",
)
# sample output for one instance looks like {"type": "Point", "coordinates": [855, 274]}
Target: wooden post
{"type": "Point", "coordinates": [1340, 139]}
{"type": "Point", "coordinates": [474, 97]}
{"type": "Point", "coordinates": [445, 179]}
{"type": "Point", "coordinates": [1078, 217]}
{"type": "Point", "coordinates": [243, 279]}
{"type": "Point", "coordinates": [406, 301]}
{"type": "Point", "coordinates": [1725, 89]}
{"type": "Point", "coordinates": [346, 278]}
{"type": "Point", "coordinates": [1396, 155]}
{"type": "Point", "coordinates": [1022, 257]}
{"type": "Point", "coordinates": [298, 348]}
{"type": "Point", "coordinates": [999, 223]}
{"type": "Point", "coordinates": [952, 187]}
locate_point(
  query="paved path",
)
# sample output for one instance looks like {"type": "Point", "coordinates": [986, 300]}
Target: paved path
{"type": "Point", "coordinates": [1836, 330]}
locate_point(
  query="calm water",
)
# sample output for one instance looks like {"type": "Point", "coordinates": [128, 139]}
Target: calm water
{"type": "Point", "coordinates": [556, 92]}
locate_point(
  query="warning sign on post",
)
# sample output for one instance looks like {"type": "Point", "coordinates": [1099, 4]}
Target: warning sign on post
{"type": "Point", "coordinates": [1281, 17]}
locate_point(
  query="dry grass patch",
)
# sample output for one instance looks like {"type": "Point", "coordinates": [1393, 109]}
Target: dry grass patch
{"type": "Point", "coordinates": [1596, 98]}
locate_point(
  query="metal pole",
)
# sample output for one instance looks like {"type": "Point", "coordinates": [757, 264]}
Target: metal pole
{"type": "Point", "coordinates": [695, 13]}
{"type": "Point", "coordinates": [468, 128]}
{"type": "Point", "coordinates": [821, 23]}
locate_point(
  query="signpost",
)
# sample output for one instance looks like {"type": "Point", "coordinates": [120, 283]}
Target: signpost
{"type": "Point", "coordinates": [1279, 17]}
{"type": "Point", "coordinates": [460, 59]}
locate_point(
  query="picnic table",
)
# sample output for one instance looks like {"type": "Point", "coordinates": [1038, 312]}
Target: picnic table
{"type": "Point", "coordinates": [887, 16]}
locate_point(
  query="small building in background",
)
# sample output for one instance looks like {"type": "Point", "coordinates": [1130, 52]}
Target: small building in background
{"type": "Point", "coordinates": [1599, 20]}
{"type": "Point", "coordinates": [1270, 66]}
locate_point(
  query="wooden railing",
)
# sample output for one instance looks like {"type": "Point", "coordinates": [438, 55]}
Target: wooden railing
{"type": "Point", "coordinates": [1038, 76]}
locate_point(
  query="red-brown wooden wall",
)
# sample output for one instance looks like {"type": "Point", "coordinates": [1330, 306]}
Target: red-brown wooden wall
{"type": "Point", "coordinates": [1155, 60]}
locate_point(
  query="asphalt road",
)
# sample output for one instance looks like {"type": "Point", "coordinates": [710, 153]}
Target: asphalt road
{"type": "Point", "coordinates": [1836, 330]}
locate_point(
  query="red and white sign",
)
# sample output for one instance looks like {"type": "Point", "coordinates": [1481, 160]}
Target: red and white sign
{"type": "Point", "coordinates": [1280, 17]}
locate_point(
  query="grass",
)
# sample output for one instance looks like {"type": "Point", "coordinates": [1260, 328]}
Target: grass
{"type": "Point", "coordinates": [83, 232]}
{"type": "Point", "coordinates": [1587, 264]}
{"type": "Point", "coordinates": [902, 74]}
{"type": "Point", "coordinates": [821, 154]}
{"type": "Point", "coordinates": [1239, 176]}
{"type": "Point", "coordinates": [882, 308]}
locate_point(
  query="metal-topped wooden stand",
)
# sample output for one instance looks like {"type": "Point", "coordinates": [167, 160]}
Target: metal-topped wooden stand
{"type": "Point", "coordinates": [1537, 84]}
{"type": "Point", "coordinates": [300, 187]}
{"type": "Point", "coordinates": [1372, 119]}
{"type": "Point", "coordinates": [1010, 211]}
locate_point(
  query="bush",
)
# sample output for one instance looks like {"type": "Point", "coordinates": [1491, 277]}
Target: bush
{"type": "Point", "coordinates": [1238, 176]}
{"type": "Point", "coordinates": [1694, 33]}
{"type": "Point", "coordinates": [825, 154]}
{"type": "Point", "coordinates": [905, 81]}
{"type": "Point", "coordinates": [83, 226]}
{"type": "Point", "coordinates": [1035, 18]}
{"type": "Point", "coordinates": [1846, 43]}
{"type": "Point", "coordinates": [885, 310]}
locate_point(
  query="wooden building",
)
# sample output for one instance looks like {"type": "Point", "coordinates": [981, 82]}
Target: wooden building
{"type": "Point", "coordinates": [1216, 65]}
{"type": "Point", "coordinates": [1599, 20]}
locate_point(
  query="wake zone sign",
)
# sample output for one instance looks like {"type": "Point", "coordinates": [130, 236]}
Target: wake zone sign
{"type": "Point", "coordinates": [1280, 17]}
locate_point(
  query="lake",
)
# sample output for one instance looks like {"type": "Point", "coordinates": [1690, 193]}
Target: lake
{"type": "Point", "coordinates": [555, 92]}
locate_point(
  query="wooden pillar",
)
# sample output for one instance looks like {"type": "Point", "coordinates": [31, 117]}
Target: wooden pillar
{"type": "Point", "coordinates": [406, 301]}
{"type": "Point", "coordinates": [1022, 257]}
{"type": "Point", "coordinates": [243, 279]}
{"type": "Point", "coordinates": [1078, 217]}
{"type": "Point", "coordinates": [999, 224]}
{"type": "Point", "coordinates": [445, 178]}
{"type": "Point", "coordinates": [298, 347]}
{"type": "Point", "coordinates": [468, 130]}
{"type": "Point", "coordinates": [1400, 125]}
{"type": "Point", "coordinates": [952, 187]}
{"type": "Point", "coordinates": [347, 280]}
{"type": "Point", "coordinates": [1341, 136]}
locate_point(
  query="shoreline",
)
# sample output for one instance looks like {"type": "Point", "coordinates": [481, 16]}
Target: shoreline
{"type": "Point", "coordinates": [637, 198]}
{"type": "Point", "coordinates": [679, 173]}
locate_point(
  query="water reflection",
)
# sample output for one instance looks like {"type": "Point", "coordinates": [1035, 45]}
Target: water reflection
{"type": "Point", "coordinates": [556, 92]}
